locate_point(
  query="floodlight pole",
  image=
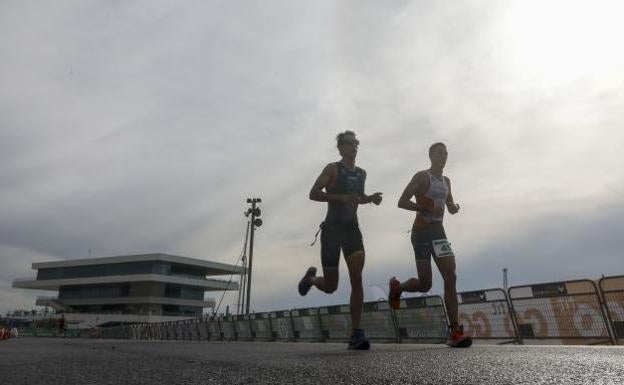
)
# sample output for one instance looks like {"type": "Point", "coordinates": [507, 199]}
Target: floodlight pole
{"type": "Point", "coordinates": [255, 212]}
{"type": "Point", "coordinates": [241, 287]}
{"type": "Point", "coordinates": [505, 278]}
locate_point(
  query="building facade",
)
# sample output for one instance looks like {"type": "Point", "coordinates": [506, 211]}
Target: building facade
{"type": "Point", "coordinates": [143, 288]}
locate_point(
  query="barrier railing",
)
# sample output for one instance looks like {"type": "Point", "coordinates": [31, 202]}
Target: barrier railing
{"type": "Point", "coordinates": [282, 328]}
{"type": "Point", "coordinates": [378, 321]}
{"type": "Point", "coordinates": [306, 324]}
{"type": "Point", "coordinates": [242, 327]}
{"type": "Point", "coordinates": [421, 320]}
{"type": "Point", "coordinates": [612, 289]}
{"type": "Point", "coordinates": [226, 324]}
{"type": "Point", "coordinates": [568, 311]}
{"type": "Point", "coordinates": [202, 329]}
{"type": "Point", "coordinates": [486, 314]}
{"type": "Point", "coordinates": [335, 323]}
{"type": "Point", "coordinates": [214, 330]}
{"type": "Point", "coordinates": [261, 327]}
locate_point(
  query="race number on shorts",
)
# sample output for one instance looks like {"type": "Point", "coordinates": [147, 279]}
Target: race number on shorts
{"type": "Point", "coordinates": [442, 248]}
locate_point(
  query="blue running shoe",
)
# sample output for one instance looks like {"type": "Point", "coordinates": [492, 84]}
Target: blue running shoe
{"type": "Point", "coordinates": [358, 341]}
{"type": "Point", "coordinates": [306, 282]}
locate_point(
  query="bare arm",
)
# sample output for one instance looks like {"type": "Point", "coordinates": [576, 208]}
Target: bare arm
{"type": "Point", "coordinates": [451, 206]}
{"type": "Point", "coordinates": [374, 198]}
{"type": "Point", "coordinates": [417, 186]}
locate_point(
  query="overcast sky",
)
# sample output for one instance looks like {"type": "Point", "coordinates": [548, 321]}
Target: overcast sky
{"type": "Point", "coordinates": [142, 126]}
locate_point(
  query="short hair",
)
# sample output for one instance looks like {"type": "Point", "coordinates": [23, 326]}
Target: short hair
{"type": "Point", "coordinates": [433, 146]}
{"type": "Point", "coordinates": [340, 137]}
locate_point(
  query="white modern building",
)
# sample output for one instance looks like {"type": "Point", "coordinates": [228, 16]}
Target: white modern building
{"type": "Point", "coordinates": [131, 288]}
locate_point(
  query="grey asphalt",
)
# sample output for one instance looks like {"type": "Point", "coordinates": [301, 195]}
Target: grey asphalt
{"type": "Point", "coordinates": [85, 361]}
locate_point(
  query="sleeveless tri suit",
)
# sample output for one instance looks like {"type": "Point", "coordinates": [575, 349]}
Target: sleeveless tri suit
{"type": "Point", "coordinates": [340, 230]}
{"type": "Point", "coordinates": [428, 235]}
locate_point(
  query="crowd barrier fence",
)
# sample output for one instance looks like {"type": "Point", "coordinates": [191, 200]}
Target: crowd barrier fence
{"type": "Point", "coordinates": [612, 289]}
{"type": "Point", "coordinates": [566, 312]}
{"type": "Point", "coordinates": [486, 314]}
{"type": "Point", "coordinates": [569, 311]}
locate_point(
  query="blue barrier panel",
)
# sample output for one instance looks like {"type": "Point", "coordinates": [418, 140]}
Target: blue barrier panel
{"type": "Point", "coordinates": [335, 323]}
{"type": "Point", "coordinates": [281, 326]}
{"type": "Point", "coordinates": [377, 321]}
{"type": "Point", "coordinates": [306, 324]}
{"type": "Point", "coordinates": [567, 312]}
{"type": "Point", "coordinates": [226, 323]}
{"type": "Point", "coordinates": [486, 314]}
{"type": "Point", "coordinates": [242, 328]}
{"type": "Point", "coordinates": [422, 320]}
{"type": "Point", "coordinates": [612, 289]}
{"type": "Point", "coordinates": [261, 327]}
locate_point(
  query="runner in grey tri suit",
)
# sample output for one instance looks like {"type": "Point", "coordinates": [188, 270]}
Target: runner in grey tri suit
{"type": "Point", "coordinates": [343, 183]}
{"type": "Point", "coordinates": [432, 191]}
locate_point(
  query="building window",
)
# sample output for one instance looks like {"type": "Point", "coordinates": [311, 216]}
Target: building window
{"type": "Point", "coordinates": [184, 292]}
{"type": "Point", "coordinates": [93, 291]}
{"type": "Point", "coordinates": [129, 268]}
{"type": "Point", "coordinates": [175, 310]}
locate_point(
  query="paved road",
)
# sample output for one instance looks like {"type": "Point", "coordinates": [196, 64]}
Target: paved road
{"type": "Point", "coordinates": [83, 361]}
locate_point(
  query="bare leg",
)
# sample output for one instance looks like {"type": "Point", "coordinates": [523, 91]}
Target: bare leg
{"type": "Point", "coordinates": [447, 269]}
{"type": "Point", "coordinates": [328, 283]}
{"type": "Point", "coordinates": [355, 263]}
{"type": "Point", "coordinates": [421, 284]}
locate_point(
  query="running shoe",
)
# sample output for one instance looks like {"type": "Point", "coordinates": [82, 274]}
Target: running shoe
{"type": "Point", "coordinates": [394, 293]}
{"type": "Point", "coordinates": [457, 338]}
{"type": "Point", "coordinates": [306, 282]}
{"type": "Point", "coordinates": [358, 341]}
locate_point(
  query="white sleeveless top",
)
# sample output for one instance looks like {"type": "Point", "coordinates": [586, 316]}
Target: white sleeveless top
{"type": "Point", "coordinates": [438, 192]}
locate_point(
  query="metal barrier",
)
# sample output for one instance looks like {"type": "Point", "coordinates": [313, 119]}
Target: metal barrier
{"type": "Point", "coordinates": [226, 324]}
{"type": "Point", "coordinates": [422, 319]}
{"type": "Point", "coordinates": [261, 327]}
{"type": "Point", "coordinates": [378, 322]}
{"type": "Point", "coordinates": [242, 327]}
{"type": "Point", "coordinates": [569, 311]}
{"type": "Point", "coordinates": [282, 328]}
{"type": "Point", "coordinates": [214, 329]}
{"type": "Point", "coordinates": [306, 324]}
{"type": "Point", "coordinates": [335, 322]}
{"type": "Point", "coordinates": [185, 330]}
{"type": "Point", "coordinates": [202, 329]}
{"type": "Point", "coordinates": [171, 331]}
{"type": "Point", "coordinates": [195, 329]}
{"type": "Point", "coordinates": [612, 289]}
{"type": "Point", "coordinates": [486, 314]}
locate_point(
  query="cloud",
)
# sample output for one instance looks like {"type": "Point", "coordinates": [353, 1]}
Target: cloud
{"type": "Point", "coordinates": [130, 127]}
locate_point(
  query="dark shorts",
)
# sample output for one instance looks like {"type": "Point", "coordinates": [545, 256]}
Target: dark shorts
{"type": "Point", "coordinates": [345, 236]}
{"type": "Point", "coordinates": [423, 238]}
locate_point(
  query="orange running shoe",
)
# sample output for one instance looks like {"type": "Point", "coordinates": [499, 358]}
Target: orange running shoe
{"type": "Point", "coordinates": [457, 338]}
{"type": "Point", "coordinates": [394, 293]}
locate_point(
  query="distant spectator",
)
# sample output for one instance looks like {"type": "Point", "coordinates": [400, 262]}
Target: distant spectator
{"type": "Point", "coordinates": [61, 325]}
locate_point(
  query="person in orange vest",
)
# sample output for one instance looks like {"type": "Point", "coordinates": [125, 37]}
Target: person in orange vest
{"type": "Point", "coordinates": [432, 192]}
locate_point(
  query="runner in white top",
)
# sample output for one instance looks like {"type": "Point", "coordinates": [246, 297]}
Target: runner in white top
{"type": "Point", "coordinates": [432, 191]}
